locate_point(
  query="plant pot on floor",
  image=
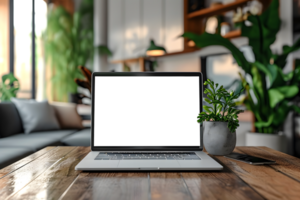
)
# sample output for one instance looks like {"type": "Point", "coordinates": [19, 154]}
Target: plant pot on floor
{"type": "Point", "coordinates": [217, 138]}
{"type": "Point", "coordinates": [273, 141]}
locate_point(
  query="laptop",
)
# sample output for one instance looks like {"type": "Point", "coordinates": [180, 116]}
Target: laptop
{"type": "Point", "coordinates": [146, 121]}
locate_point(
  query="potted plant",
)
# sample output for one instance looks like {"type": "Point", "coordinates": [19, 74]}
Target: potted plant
{"type": "Point", "coordinates": [220, 119]}
{"type": "Point", "coordinates": [269, 91]}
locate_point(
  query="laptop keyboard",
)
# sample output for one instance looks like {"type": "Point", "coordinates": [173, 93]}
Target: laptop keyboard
{"type": "Point", "coordinates": [147, 156]}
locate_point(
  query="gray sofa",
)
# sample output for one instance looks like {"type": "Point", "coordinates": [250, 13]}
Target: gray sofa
{"type": "Point", "coordinates": [14, 144]}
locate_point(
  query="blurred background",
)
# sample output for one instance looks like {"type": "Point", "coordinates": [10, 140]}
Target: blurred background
{"type": "Point", "coordinates": [43, 43]}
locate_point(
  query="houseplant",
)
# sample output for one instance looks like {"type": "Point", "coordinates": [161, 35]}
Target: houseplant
{"type": "Point", "coordinates": [220, 119]}
{"type": "Point", "coordinates": [9, 87]}
{"type": "Point", "coordinates": [270, 91]}
{"type": "Point", "coordinates": [69, 43]}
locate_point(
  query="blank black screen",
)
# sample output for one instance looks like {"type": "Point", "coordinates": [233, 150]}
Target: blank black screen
{"type": "Point", "coordinates": [147, 111]}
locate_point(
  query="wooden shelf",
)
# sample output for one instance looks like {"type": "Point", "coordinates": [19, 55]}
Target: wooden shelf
{"type": "Point", "coordinates": [217, 9]}
{"type": "Point", "coordinates": [129, 60]}
{"type": "Point", "coordinates": [177, 53]}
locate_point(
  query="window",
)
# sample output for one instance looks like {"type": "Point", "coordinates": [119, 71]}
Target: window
{"type": "Point", "coordinates": [17, 44]}
{"type": "Point", "coordinates": [22, 42]}
{"type": "Point", "coordinates": [4, 37]}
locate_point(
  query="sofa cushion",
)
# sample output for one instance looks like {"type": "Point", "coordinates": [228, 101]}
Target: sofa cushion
{"type": "Point", "coordinates": [10, 121]}
{"type": "Point", "coordinates": [36, 116]}
{"type": "Point", "coordinates": [10, 155]}
{"type": "Point", "coordinates": [81, 138]}
{"type": "Point", "coordinates": [37, 140]}
{"type": "Point", "coordinates": [67, 115]}
{"type": "Point", "coordinates": [54, 134]}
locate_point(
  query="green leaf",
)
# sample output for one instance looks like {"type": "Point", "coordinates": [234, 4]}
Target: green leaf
{"type": "Point", "coordinates": [281, 93]}
{"type": "Point", "coordinates": [104, 50]}
{"type": "Point", "coordinates": [280, 113]}
{"type": "Point", "coordinates": [265, 124]}
{"type": "Point", "coordinates": [266, 70]}
{"type": "Point", "coordinates": [207, 39]}
{"type": "Point", "coordinates": [262, 32]}
{"type": "Point", "coordinates": [9, 87]}
{"type": "Point", "coordinates": [208, 109]}
{"type": "Point", "coordinates": [280, 60]}
{"type": "Point", "coordinates": [296, 108]}
{"type": "Point", "coordinates": [216, 102]}
{"type": "Point", "coordinates": [209, 90]}
{"type": "Point", "coordinates": [207, 100]}
{"type": "Point", "coordinates": [219, 108]}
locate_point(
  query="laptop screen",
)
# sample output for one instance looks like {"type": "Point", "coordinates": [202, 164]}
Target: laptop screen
{"type": "Point", "coordinates": [146, 111]}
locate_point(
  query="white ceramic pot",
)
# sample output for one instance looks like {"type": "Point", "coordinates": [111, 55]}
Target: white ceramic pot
{"type": "Point", "coordinates": [273, 141]}
{"type": "Point", "coordinates": [217, 138]}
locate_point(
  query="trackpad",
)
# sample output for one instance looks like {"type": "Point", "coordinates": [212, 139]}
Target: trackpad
{"type": "Point", "coordinates": [148, 164]}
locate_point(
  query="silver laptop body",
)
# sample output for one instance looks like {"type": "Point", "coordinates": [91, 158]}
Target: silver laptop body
{"type": "Point", "coordinates": [146, 121]}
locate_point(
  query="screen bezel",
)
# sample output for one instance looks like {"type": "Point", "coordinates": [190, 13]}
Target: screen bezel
{"type": "Point", "coordinates": [146, 148]}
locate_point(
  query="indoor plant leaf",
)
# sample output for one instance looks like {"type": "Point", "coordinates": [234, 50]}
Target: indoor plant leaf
{"type": "Point", "coordinates": [281, 93]}
{"type": "Point", "coordinates": [262, 32]}
{"type": "Point", "coordinates": [280, 60]}
{"type": "Point", "coordinates": [261, 124]}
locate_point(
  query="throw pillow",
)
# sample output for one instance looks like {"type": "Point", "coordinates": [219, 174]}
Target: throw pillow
{"type": "Point", "coordinates": [67, 115]}
{"type": "Point", "coordinates": [36, 116]}
{"type": "Point", "coordinates": [10, 121]}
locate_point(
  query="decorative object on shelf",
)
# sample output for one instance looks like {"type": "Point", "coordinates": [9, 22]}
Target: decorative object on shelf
{"type": "Point", "coordinates": [211, 25]}
{"type": "Point", "coordinates": [195, 5]}
{"type": "Point", "coordinates": [254, 8]}
{"type": "Point", "coordinates": [191, 43]}
{"type": "Point", "coordinates": [220, 119]}
{"type": "Point", "coordinates": [225, 28]}
{"type": "Point", "coordinates": [154, 50]}
{"type": "Point", "coordinates": [270, 91]}
{"type": "Point", "coordinates": [68, 42]}
{"type": "Point", "coordinates": [9, 87]}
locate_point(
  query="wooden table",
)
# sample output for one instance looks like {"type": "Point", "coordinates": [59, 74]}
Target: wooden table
{"type": "Point", "coordinates": [49, 174]}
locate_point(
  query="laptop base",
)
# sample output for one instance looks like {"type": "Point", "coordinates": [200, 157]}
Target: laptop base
{"type": "Point", "coordinates": [89, 163]}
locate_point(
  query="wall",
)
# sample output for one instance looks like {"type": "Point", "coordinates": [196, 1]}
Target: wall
{"type": "Point", "coordinates": [100, 33]}
{"type": "Point", "coordinates": [132, 23]}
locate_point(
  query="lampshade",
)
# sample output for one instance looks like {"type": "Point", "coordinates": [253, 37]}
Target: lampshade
{"type": "Point", "coordinates": [155, 50]}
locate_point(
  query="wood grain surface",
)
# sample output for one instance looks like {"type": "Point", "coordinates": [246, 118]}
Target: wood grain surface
{"type": "Point", "coordinates": [49, 174]}
{"type": "Point", "coordinates": [24, 161]}
{"type": "Point", "coordinates": [270, 183]}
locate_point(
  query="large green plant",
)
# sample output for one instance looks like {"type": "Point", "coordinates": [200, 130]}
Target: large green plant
{"type": "Point", "coordinates": [69, 43]}
{"type": "Point", "coordinates": [9, 87]}
{"type": "Point", "coordinates": [270, 92]}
